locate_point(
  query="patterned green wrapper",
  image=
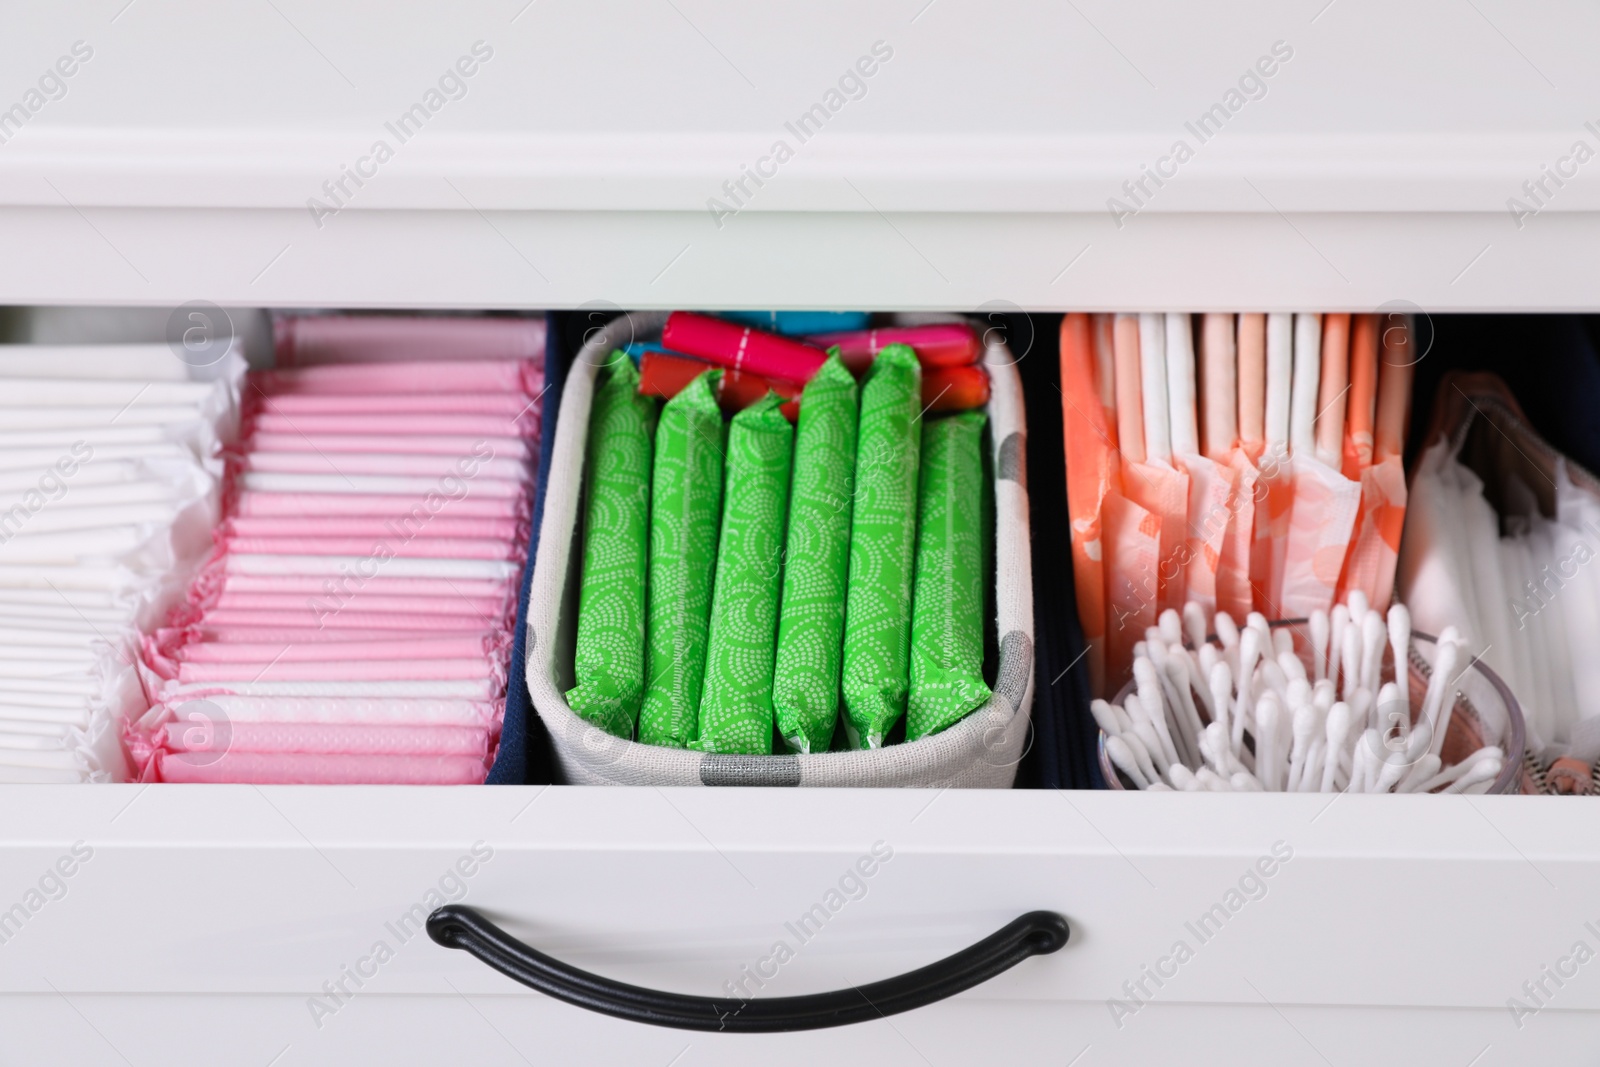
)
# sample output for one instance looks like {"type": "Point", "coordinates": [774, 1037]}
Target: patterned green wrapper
{"type": "Point", "coordinates": [883, 533]}
{"type": "Point", "coordinates": [736, 703]}
{"type": "Point", "coordinates": [805, 683]}
{"type": "Point", "coordinates": [948, 602]}
{"type": "Point", "coordinates": [608, 659]}
{"type": "Point", "coordinates": [685, 511]}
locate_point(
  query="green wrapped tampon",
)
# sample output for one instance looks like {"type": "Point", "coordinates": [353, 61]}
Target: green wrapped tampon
{"type": "Point", "coordinates": [947, 603]}
{"type": "Point", "coordinates": [736, 703]}
{"type": "Point", "coordinates": [685, 511]}
{"type": "Point", "coordinates": [805, 682]}
{"type": "Point", "coordinates": [608, 658]}
{"type": "Point", "coordinates": [883, 532]}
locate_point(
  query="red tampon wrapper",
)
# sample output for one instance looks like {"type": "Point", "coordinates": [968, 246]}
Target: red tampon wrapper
{"type": "Point", "coordinates": [741, 348]}
{"type": "Point", "coordinates": [945, 344]}
{"type": "Point", "coordinates": [665, 376]}
{"type": "Point", "coordinates": [955, 388]}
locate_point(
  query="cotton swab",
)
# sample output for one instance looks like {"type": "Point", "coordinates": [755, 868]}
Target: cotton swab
{"type": "Point", "coordinates": [1357, 602]}
{"type": "Point", "coordinates": [1319, 645]}
{"type": "Point", "coordinates": [1450, 774]}
{"type": "Point", "coordinates": [1425, 769]}
{"type": "Point", "coordinates": [1249, 656]}
{"type": "Point", "coordinates": [1183, 737]}
{"type": "Point", "coordinates": [1144, 734]}
{"type": "Point", "coordinates": [1292, 668]}
{"type": "Point", "coordinates": [1305, 721]}
{"type": "Point", "coordinates": [1269, 762]}
{"type": "Point", "coordinates": [1152, 703]}
{"type": "Point", "coordinates": [1105, 717]}
{"type": "Point", "coordinates": [1311, 774]}
{"type": "Point", "coordinates": [1273, 676]}
{"type": "Point", "coordinates": [1350, 659]}
{"type": "Point", "coordinates": [1193, 721]}
{"type": "Point", "coordinates": [1221, 686]}
{"type": "Point", "coordinates": [1339, 621]}
{"type": "Point", "coordinates": [1152, 715]}
{"type": "Point", "coordinates": [1436, 704]}
{"type": "Point", "coordinates": [1228, 635]}
{"type": "Point", "coordinates": [1374, 634]}
{"type": "Point", "coordinates": [1123, 759]}
{"type": "Point", "coordinates": [1141, 756]}
{"type": "Point", "coordinates": [1400, 638]}
{"type": "Point", "coordinates": [1183, 779]}
{"type": "Point", "coordinates": [1194, 624]}
{"type": "Point", "coordinates": [1391, 711]}
{"type": "Point", "coordinates": [1481, 775]}
{"type": "Point", "coordinates": [1364, 762]}
{"type": "Point", "coordinates": [1197, 678]}
{"type": "Point", "coordinates": [1178, 674]}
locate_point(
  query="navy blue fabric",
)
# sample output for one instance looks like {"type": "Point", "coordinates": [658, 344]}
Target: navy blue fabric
{"type": "Point", "coordinates": [524, 756]}
{"type": "Point", "coordinates": [1063, 752]}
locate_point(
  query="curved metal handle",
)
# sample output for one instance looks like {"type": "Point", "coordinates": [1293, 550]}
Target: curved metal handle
{"type": "Point", "coordinates": [1035, 934]}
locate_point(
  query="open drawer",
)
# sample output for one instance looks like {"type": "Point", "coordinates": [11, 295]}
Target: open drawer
{"type": "Point", "coordinates": [205, 923]}
{"type": "Point", "coordinates": [208, 924]}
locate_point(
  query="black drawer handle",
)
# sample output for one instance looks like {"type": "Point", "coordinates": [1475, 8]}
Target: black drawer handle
{"type": "Point", "coordinates": [1037, 933]}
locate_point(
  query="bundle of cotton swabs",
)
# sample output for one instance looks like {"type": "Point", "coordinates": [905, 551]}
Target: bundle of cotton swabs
{"type": "Point", "coordinates": [1243, 714]}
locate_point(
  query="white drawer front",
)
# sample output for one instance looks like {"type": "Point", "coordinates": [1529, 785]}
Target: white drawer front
{"type": "Point", "coordinates": [1414, 914]}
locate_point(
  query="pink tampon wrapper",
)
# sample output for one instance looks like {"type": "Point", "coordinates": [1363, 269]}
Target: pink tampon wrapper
{"type": "Point", "coordinates": [945, 344]}
{"type": "Point", "coordinates": [728, 344]}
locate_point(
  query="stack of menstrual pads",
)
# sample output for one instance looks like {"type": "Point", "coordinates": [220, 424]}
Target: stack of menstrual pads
{"type": "Point", "coordinates": [109, 483]}
{"type": "Point", "coordinates": [354, 621]}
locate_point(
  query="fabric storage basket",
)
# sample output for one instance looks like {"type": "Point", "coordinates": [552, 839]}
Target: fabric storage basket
{"type": "Point", "coordinates": [980, 751]}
